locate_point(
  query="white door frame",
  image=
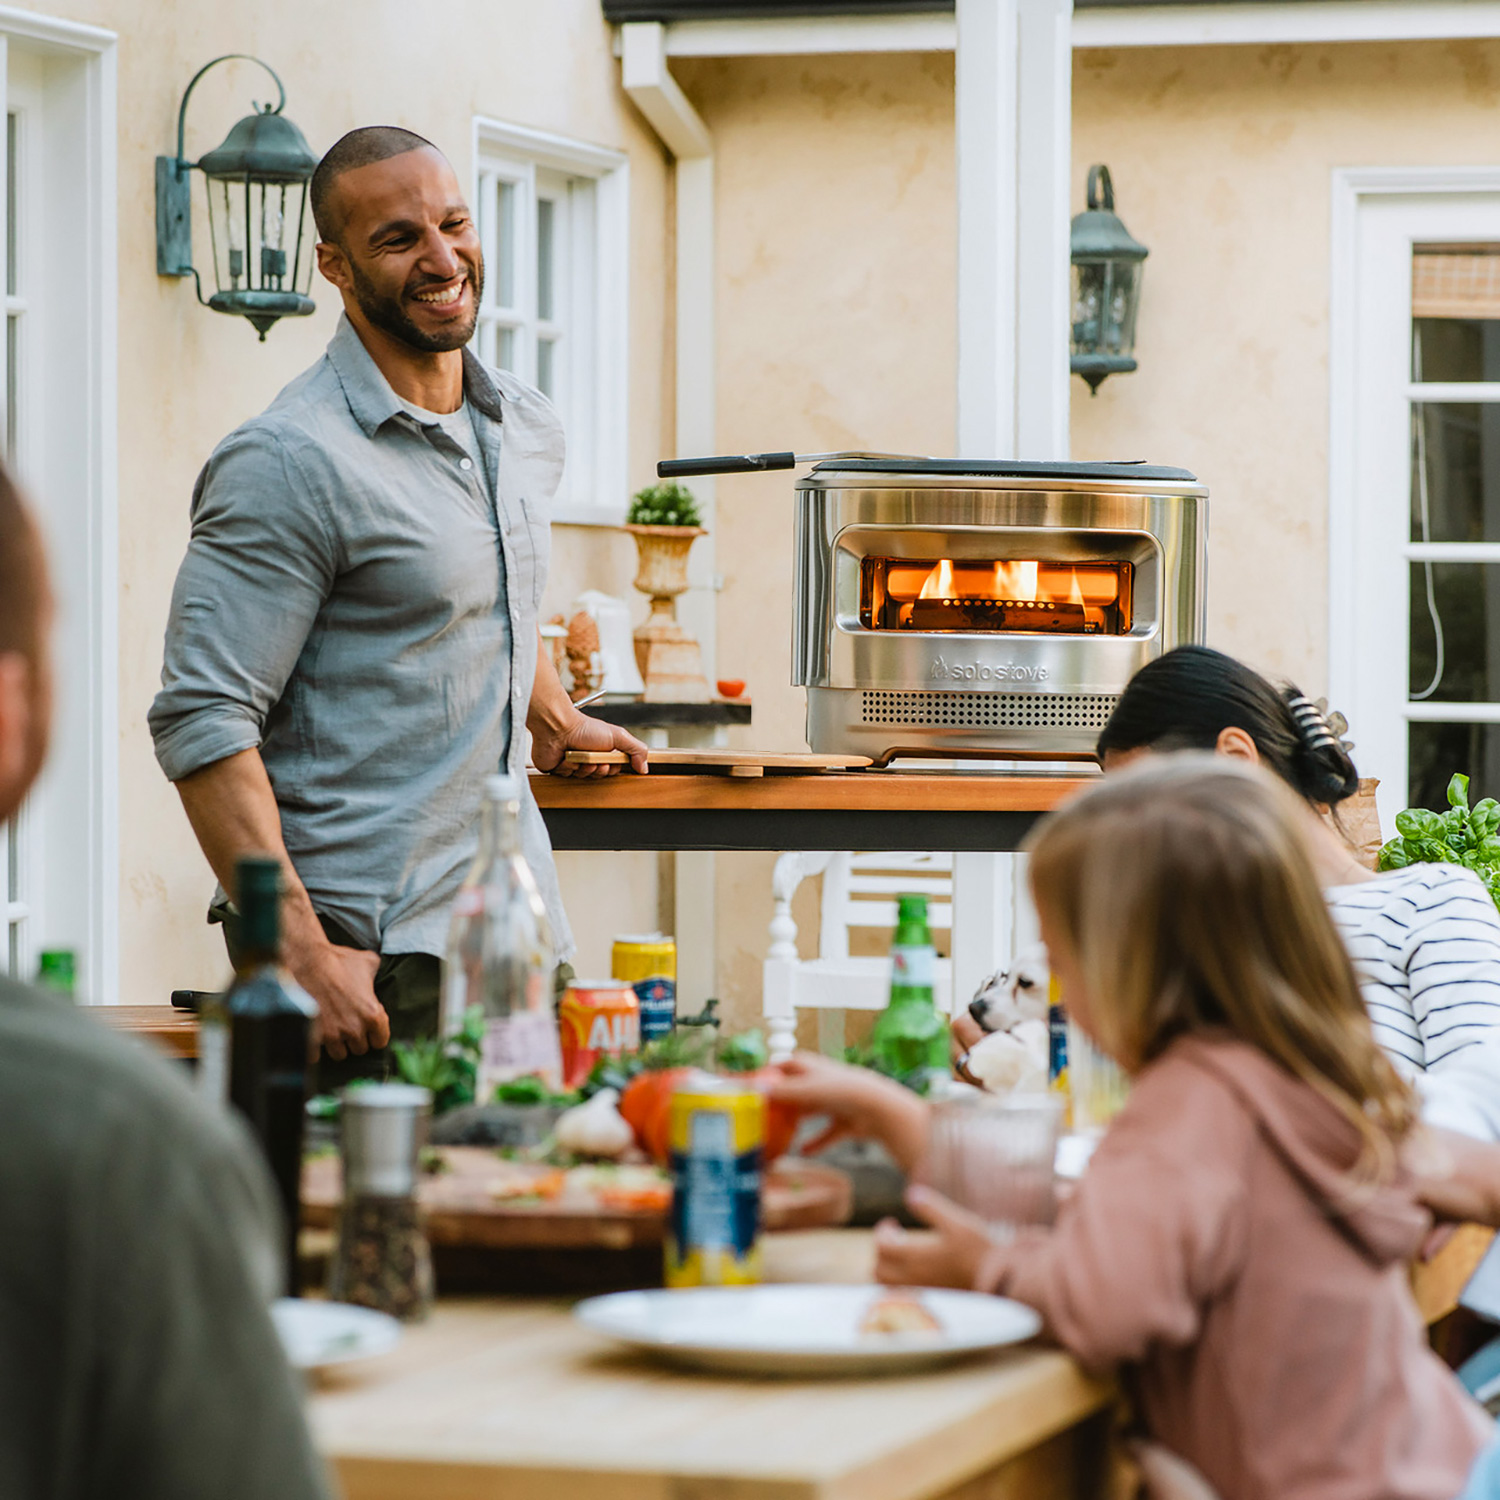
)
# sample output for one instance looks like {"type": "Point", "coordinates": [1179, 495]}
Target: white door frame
{"type": "Point", "coordinates": [1378, 213]}
{"type": "Point", "coordinates": [68, 459]}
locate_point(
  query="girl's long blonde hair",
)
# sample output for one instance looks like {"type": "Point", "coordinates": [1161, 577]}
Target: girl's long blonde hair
{"type": "Point", "coordinates": [1185, 891]}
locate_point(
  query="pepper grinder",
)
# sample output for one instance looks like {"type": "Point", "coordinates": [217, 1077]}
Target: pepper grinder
{"type": "Point", "coordinates": [382, 1259]}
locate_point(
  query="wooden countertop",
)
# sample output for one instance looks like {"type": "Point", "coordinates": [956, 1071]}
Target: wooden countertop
{"type": "Point", "coordinates": [175, 1030]}
{"type": "Point", "coordinates": [504, 1398]}
{"type": "Point", "coordinates": [844, 791]}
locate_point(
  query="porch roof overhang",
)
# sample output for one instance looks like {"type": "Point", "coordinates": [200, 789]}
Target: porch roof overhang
{"type": "Point", "coordinates": [739, 28]}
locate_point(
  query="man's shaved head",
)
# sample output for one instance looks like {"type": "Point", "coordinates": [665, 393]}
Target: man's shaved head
{"type": "Point", "coordinates": [360, 148]}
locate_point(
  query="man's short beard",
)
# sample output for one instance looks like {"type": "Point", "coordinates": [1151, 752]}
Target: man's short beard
{"type": "Point", "coordinates": [390, 316]}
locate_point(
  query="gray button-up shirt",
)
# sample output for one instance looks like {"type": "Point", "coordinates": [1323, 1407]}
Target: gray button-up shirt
{"type": "Point", "coordinates": [355, 603]}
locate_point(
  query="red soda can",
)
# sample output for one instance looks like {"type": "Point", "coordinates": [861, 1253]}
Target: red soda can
{"type": "Point", "coordinates": [597, 1018]}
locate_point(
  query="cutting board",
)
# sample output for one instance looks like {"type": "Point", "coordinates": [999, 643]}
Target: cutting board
{"type": "Point", "coordinates": [462, 1209]}
{"type": "Point", "coordinates": [726, 762]}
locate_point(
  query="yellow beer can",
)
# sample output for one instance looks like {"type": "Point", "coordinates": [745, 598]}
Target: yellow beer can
{"type": "Point", "coordinates": [717, 1129]}
{"type": "Point", "coordinates": [649, 966]}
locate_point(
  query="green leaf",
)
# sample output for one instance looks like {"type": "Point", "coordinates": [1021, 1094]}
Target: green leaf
{"type": "Point", "coordinates": [1458, 791]}
{"type": "Point", "coordinates": [1393, 855]}
{"type": "Point", "coordinates": [668, 504]}
{"type": "Point", "coordinates": [745, 1053]}
{"type": "Point", "coordinates": [1417, 823]}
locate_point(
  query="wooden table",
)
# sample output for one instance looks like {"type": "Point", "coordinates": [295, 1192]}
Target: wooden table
{"type": "Point", "coordinates": [170, 1028]}
{"type": "Point", "coordinates": [874, 809]}
{"type": "Point", "coordinates": [499, 1399]}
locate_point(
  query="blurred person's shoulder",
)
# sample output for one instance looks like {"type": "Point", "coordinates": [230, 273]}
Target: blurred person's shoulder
{"type": "Point", "coordinates": [75, 1093]}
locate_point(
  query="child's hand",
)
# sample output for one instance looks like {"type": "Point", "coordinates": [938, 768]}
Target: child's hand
{"type": "Point", "coordinates": [948, 1254]}
{"type": "Point", "coordinates": [857, 1101]}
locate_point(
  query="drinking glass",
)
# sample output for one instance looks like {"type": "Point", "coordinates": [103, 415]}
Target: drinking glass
{"type": "Point", "coordinates": [993, 1154]}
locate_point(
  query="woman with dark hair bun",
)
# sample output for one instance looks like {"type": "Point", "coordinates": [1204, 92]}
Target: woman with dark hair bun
{"type": "Point", "coordinates": [1425, 940]}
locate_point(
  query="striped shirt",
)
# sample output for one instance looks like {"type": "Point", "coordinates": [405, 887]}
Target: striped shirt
{"type": "Point", "coordinates": [1426, 947]}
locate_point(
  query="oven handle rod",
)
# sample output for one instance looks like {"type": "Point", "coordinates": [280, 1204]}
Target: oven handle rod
{"type": "Point", "coordinates": [753, 463]}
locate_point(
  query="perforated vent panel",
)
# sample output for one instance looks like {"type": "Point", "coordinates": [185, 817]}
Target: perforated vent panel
{"type": "Point", "coordinates": [1085, 711]}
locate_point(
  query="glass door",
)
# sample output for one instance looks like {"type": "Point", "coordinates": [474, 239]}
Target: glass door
{"type": "Point", "coordinates": [1453, 547]}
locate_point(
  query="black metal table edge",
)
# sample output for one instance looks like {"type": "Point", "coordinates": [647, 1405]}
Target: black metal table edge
{"type": "Point", "coordinates": [782, 828]}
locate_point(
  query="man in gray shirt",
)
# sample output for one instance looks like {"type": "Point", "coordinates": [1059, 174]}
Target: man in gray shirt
{"type": "Point", "coordinates": [353, 640]}
{"type": "Point", "coordinates": [139, 1246]}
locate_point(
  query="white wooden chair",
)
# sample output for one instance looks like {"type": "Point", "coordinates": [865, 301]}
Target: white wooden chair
{"type": "Point", "coordinates": [859, 891]}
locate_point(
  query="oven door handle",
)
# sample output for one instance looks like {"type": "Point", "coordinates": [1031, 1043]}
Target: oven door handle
{"type": "Point", "coordinates": [733, 463]}
{"type": "Point", "coordinates": [756, 463]}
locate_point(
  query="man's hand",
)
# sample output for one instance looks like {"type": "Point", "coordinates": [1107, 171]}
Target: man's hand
{"type": "Point", "coordinates": [342, 981]}
{"type": "Point", "coordinates": [557, 726]}
{"type": "Point", "coordinates": [550, 747]}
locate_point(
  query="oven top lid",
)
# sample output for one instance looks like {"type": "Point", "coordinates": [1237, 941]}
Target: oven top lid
{"type": "Point", "coordinates": [1009, 468]}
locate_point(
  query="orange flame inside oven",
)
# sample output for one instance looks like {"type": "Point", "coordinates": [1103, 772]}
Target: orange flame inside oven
{"type": "Point", "coordinates": [1009, 595]}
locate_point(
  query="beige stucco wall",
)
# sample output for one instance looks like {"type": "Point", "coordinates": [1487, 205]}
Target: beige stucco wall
{"type": "Point", "coordinates": [1222, 159]}
{"type": "Point", "coordinates": [836, 323]}
{"type": "Point", "coordinates": [836, 311]}
{"type": "Point", "coordinates": [836, 330]}
{"type": "Point", "coordinates": [187, 376]}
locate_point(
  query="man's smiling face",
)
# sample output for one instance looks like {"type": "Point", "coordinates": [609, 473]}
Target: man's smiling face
{"type": "Point", "coordinates": [408, 250]}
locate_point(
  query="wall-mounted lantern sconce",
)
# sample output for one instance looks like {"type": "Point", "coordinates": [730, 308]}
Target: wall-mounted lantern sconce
{"type": "Point", "coordinates": [257, 212]}
{"type": "Point", "coordinates": [1107, 265]}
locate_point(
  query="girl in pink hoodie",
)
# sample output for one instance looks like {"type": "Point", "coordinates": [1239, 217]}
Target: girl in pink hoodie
{"type": "Point", "coordinates": [1238, 1246]}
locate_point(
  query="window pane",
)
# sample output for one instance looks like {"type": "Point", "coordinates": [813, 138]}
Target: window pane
{"type": "Point", "coordinates": [545, 254]}
{"type": "Point", "coordinates": [1455, 614]}
{"type": "Point", "coordinates": [506, 357]}
{"type": "Point", "coordinates": [12, 372]}
{"type": "Point", "coordinates": [1436, 751]}
{"type": "Point", "coordinates": [1455, 349]}
{"type": "Point", "coordinates": [505, 280]}
{"type": "Point", "coordinates": [1455, 476]}
{"type": "Point", "coordinates": [546, 351]}
{"type": "Point", "coordinates": [12, 155]}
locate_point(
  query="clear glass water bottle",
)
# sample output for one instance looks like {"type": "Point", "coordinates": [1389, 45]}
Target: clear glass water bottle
{"type": "Point", "coordinates": [500, 953]}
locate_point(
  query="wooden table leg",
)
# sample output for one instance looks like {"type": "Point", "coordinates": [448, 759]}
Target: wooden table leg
{"type": "Point", "coordinates": [1075, 1464]}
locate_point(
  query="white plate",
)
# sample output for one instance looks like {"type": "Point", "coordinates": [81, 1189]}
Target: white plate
{"type": "Point", "coordinates": [315, 1334]}
{"type": "Point", "coordinates": [801, 1330]}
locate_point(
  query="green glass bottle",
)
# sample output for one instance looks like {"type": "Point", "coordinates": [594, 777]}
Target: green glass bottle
{"type": "Point", "coordinates": [57, 970]}
{"type": "Point", "coordinates": [269, 1018]}
{"type": "Point", "coordinates": [910, 1038]}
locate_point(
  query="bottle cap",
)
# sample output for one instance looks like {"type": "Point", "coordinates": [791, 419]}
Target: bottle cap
{"type": "Point", "coordinates": [502, 788]}
{"type": "Point", "coordinates": [383, 1127]}
{"type": "Point", "coordinates": [911, 909]}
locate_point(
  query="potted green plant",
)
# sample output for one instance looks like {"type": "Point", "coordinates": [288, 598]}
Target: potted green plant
{"type": "Point", "coordinates": [665, 521]}
{"type": "Point", "coordinates": [1460, 836]}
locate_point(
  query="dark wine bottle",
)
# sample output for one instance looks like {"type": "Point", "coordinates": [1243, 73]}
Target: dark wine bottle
{"type": "Point", "coordinates": [269, 1018]}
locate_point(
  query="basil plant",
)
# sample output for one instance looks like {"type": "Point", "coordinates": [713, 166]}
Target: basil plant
{"type": "Point", "coordinates": [1461, 836]}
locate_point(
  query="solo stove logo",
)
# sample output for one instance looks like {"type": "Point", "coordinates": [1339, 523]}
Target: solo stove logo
{"type": "Point", "coordinates": [958, 671]}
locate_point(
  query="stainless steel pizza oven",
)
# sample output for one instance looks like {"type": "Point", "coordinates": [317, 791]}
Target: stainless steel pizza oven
{"type": "Point", "coordinates": [954, 608]}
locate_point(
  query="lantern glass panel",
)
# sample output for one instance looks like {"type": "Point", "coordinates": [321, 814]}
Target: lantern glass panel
{"type": "Point", "coordinates": [260, 235]}
{"type": "Point", "coordinates": [1106, 296]}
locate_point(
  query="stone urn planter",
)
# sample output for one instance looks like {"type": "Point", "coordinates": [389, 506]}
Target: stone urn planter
{"type": "Point", "coordinates": [668, 657]}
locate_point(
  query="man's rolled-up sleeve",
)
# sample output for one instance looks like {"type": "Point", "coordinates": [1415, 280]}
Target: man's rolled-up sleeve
{"type": "Point", "coordinates": [260, 562]}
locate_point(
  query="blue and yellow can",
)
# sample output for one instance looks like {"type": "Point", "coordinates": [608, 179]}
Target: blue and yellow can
{"type": "Point", "coordinates": [716, 1134]}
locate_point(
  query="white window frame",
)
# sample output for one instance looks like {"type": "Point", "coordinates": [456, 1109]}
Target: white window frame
{"type": "Point", "coordinates": [1378, 216]}
{"type": "Point", "coordinates": [593, 371]}
{"type": "Point", "coordinates": [60, 78]}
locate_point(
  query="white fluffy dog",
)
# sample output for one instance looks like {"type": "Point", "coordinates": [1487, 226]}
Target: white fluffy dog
{"type": "Point", "coordinates": [1011, 1007]}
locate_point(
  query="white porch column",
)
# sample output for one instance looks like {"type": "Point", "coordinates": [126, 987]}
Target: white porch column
{"type": "Point", "coordinates": [649, 83]}
{"type": "Point", "coordinates": [1014, 121]}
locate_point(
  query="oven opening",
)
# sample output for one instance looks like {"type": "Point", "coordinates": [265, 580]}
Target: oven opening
{"type": "Point", "coordinates": [1016, 597]}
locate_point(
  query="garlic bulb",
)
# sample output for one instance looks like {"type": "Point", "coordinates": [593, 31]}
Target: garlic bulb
{"type": "Point", "coordinates": [595, 1127]}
